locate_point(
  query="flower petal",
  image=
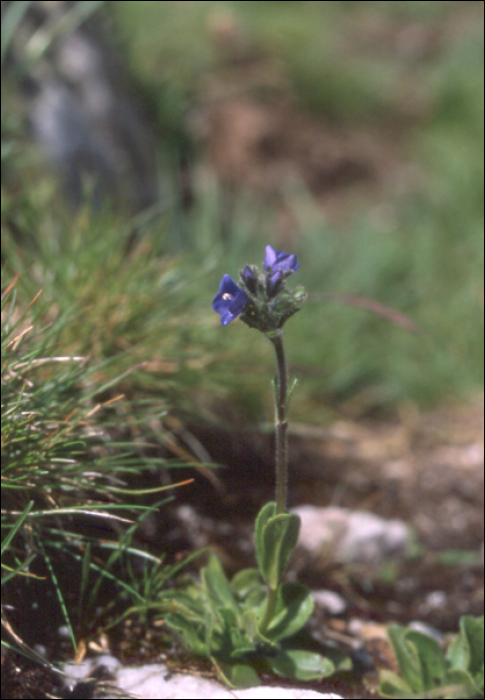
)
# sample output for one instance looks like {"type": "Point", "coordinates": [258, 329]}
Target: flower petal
{"type": "Point", "coordinates": [277, 261]}
{"type": "Point", "coordinates": [228, 286]}
{"type": "Point", "coordinates": [230, 300]}
{"type": "Point", "coordinates": [270, 257]}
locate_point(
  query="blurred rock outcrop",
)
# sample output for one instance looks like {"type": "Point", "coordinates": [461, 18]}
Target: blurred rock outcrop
{"type": "Point", "coordinates": [81, 104]}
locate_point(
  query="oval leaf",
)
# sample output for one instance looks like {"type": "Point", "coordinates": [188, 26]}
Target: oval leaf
{"type": "Point", "coordinates": [280, 535]}
{"type": "Point", "coordinates": [302, 665]}
{"type": "Point", "coordinates": [293, 608]}
{"type": "Point", "coordinates": [431, 659]}
{"type": "Point", "coordinates": [268, 511]}
{"type": "Point", "coordinates": [217, 587]}
{"type": "Point", "coordinates": [407, 657]}
{"type": "Point", "coordinates": [187, 632]}
{"type": "Point", "coordinates": [236, 675]}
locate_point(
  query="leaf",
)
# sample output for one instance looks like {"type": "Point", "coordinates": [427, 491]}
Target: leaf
{"type": "Point", "coordinates": [243, 653]}
{"type": "Point", "coordinates": [467, 649]}
{"type": "Point", "coordinates": [187, 632]}
{"type": "Point", "coordinates": [250, 622]}
{"type": "Point", "coordinates": [16, 527]}
{"type": "Point", "coordinates": [458, 655]}
{"type": "Point", "coordinates": [294, 606]}
{"type": "Point", "coordinates": [248, 588]}
{"type": "Point", "coordinates": [424, 668]}
{"type": "Point", "coordinates": [430, 657]}
{"type": "Point", "coordinates": [393, 686]}
{"type": "Point", "coordinates": [473, 629]}
{"type": "Point", "coordinates": [217, 587]}
{"type": "Point", "coordinates": [267, 511]}
{"type": "Point", "coordinates": [301, 665]}
{"type": "Point", "coordinates": [478, 680]}
{"type": "Point", "coordinates": [228, 618]}
{"type": "Point", "coordinates": [243, 582]}
{"type": "Point", "coordinates": [407, 657]}
{"type": "Point", "coordinates": [236, 675]}
{"type": "Point", "coordinates": [190, 608]}
{"type": "Point", "coordinates": [280, 535]}
{"type": "Point", "coordinates": [238, 640]}
{"type": "Point", "coordinates": [463, 682]}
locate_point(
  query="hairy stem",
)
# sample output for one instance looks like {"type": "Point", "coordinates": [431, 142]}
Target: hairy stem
{"type": "Point", "coordinates": [281, 452]}
{"type": "Point", "coordinates": [281, 425]}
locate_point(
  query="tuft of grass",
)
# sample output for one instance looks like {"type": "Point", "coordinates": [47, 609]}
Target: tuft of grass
{"type": "Point", "coordinates": [72, 494]}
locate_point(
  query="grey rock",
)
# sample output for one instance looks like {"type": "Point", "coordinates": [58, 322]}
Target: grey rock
{"type": "Point", "coordinates": [82, 105]}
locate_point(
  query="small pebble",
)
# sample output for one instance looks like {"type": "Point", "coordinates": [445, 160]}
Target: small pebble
{"type": "Point", "coordinates": [330, 601]}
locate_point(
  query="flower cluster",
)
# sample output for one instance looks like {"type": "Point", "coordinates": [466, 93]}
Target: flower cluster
{"type": "Point", "coordinates": [262, 301]}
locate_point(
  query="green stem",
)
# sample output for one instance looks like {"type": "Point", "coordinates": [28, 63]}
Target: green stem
{"type": "Point", "coordinates": [281, 425]}
{"type": "Point", "coordinates": [281, 451]}
{"type": "Point", "coordinates": [270, 608]}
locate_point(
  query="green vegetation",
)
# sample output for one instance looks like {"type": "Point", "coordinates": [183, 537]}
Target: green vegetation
{"type": "Point", "coordinates": [221, 620]}
{"type": "Point", "coordinates": [419, 250]}
{"type": "Point", "coordinates": [70, 462]}
{"type": "Point", "coordinates": [425, 672]}
{"type": "Point", "coordinates": [123, 334]}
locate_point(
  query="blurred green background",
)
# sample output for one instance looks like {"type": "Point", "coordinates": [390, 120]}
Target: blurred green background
{"type": "Point", "coordinates": [390, 92]}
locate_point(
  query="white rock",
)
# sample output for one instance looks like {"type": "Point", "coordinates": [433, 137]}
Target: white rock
{"type": "Point", "coordinates": [154, 681]}
{"type": "Point", "coordinates": [352, 536]}
{"type": "Point", "coordinates": [436, 599]}
{"type": "Point", "coordinates": [273, 693]}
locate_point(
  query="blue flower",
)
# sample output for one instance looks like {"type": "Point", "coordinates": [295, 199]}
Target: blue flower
{"type": "Point", "coordinates": [230, 300]}
{"type": "Point", "coordinates": [274, 282]}
{"type": "Point", "coordinates": [277, 262]}
{"type": "Point", "coordinates": [250, 280]}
